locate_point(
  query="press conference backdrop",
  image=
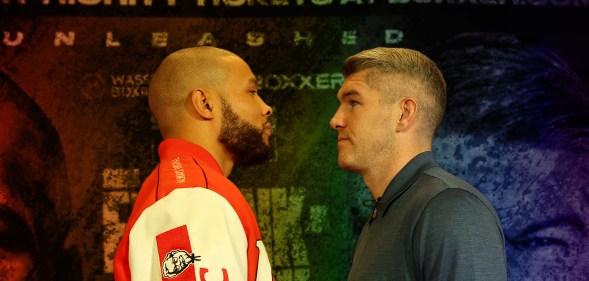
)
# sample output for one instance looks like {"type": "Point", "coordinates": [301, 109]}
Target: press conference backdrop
{"type": "Point", "coordinates": [88, 63]}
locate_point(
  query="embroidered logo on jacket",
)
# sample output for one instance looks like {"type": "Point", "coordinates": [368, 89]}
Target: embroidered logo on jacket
{"type": "Point", "coordinates": [176, 262]}
{"type": "Point", "coordinates": [178, 170]}
{"type": "Point", "coordinates": [175, 252]}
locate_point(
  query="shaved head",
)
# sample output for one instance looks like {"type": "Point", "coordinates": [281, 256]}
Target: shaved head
{"type": "Point", "coordinates": [209, 97]}
{"type": "Point", "coordinates": [179, 74]}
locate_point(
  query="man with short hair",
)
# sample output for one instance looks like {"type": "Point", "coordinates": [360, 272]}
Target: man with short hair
{"type": "Point", "coordinates": [426, 224]}
{"type": "Point", "coordinates": [189, 221]}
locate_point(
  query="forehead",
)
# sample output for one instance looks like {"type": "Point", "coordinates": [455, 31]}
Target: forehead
{"type": "Point", "coordinates": [18, 134]}
{"type": "Point", "coordinates": [357, 84]}
{"type": "Point", "coordinates": [238, 77]}
{"type": "Point", "coordinates": [237, 69]}
{"type": "Point", "coordinates": [509, 168]}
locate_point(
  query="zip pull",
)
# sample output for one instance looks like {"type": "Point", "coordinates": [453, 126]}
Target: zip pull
{"type": "Point", "coordinates": [374, 210]}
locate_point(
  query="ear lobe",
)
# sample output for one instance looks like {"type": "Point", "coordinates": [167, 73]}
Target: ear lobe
{"type": "Point", "coordinates": [201, 102]}
{"type": "Point", "coordinates": [408, 113]}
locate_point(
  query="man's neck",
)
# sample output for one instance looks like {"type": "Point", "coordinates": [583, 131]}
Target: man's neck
{"type": "Point", "coordinates": [223, 157]}
{"type": "Point", "coordinates": [216, 149]}
{"type": "Point", "coordinates": [378, 179]}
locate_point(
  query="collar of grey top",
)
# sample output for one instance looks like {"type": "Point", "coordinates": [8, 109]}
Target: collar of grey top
{"type": "Point", "coordinates": [374, 213]}
{"type": "Point", "coordinates": [403, 180]}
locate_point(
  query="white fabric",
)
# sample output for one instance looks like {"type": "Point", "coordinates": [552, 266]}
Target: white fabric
{"type": "Point", "coordinates": [215, 232]}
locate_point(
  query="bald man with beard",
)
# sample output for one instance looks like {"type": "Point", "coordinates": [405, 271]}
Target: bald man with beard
{"type": "Point", "coordinates": [189, 221]}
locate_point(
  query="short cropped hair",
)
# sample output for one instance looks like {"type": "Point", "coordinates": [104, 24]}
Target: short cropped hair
{"type": "Point", "coordinates": [412, 64]}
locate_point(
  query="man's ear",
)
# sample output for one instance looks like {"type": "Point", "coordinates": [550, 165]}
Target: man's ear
{"type": "Point", "coordinates": [202, 103]}
{"type": "Point", "coordinates": [408, 113]}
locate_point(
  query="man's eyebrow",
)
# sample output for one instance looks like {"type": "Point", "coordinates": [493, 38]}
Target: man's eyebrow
{"type": "Point", "coordinates": [254, 81]}
{"type": "Point", "coordinates": [15, 234]}
{"type": "Point", "coordinates": [349, 94]}
{"type": "Point", "coordinates": [572, 220]}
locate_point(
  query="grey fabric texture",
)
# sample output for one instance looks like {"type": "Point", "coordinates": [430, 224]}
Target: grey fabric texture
{"type": "Point", "coordinates": [430, 225]}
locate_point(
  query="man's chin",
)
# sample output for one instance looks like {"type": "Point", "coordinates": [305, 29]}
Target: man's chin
{"type": "Point", "coordinates": [346, 165]}
{"type": "Point", "coordinates": [267, 139]}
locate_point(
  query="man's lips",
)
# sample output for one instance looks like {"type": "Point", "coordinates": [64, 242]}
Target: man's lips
{"type": "Point", "coordinates": [340, 139]}
{"type": "Point", "coordinates": [268, 128]}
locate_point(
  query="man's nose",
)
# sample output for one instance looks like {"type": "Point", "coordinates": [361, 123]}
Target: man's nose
{"type": "Point", "coordinates": [336, 121]}
{"type": "Point", "coordinates": [266, 109]}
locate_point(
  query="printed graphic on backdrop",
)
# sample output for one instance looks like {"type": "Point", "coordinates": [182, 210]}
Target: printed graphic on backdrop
{"type": "Point", "coordinates": [516, 124]}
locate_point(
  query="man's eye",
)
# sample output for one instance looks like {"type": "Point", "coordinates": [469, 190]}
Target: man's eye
{"type": "Point", "coordinates": [535, 243]}
{"type": "Point", "coordinates": [354, 103]}
{"type": "Point", "coordinates": [254, 92]}
{"type": "Point", "coordinates": [551, 242]}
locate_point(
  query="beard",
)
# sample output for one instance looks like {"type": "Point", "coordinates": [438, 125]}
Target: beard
{"type": "Point", "coordinates": [242, 139]}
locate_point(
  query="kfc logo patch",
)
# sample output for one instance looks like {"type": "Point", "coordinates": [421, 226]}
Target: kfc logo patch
{"type": "Point", "coordinates": [176, 256]}
{"type": "Point", "coordinates": [176, 262]}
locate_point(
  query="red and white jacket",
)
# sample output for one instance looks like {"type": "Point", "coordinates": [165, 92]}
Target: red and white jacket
{"type": "Point", "coordinates": [190, 222]}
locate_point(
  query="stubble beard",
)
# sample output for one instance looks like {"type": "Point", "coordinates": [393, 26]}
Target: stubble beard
{"type": "Point", "coordinates": [243, 140]}
{"type": "Point", "coordinates": [346, 159]}
{"type": "Point", "coordinates": [347, 165]}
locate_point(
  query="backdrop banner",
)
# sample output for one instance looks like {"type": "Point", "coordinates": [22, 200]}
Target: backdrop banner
{"type": "Point", "coordinates": [81, 69]}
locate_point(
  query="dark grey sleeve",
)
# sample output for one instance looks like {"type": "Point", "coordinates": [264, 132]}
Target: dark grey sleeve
{"type": "Point", "coordinates": [458, 238]}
